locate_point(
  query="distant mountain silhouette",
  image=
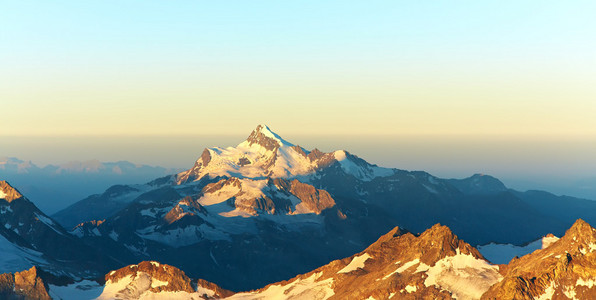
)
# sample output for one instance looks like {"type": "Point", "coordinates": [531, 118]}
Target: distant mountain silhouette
{"type": "Point", "coordinates": [54, 187]}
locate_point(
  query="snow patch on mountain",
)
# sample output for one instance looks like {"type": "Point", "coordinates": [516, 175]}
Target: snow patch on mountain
{"type": "Point", "coordinates": [85, 289]}
{"type": "Point", "coordinates": [49, 222]}
{"type": "Point", "coordinates": [362, 172]}
{"type": "Point", "coordinates": [548, 292]}
{"type": "Point", "coordinates": [548, 240]}
{"type": "Point", "coordinates": [464, 275]}
{"type": "Point", "coordinates": [591, 282]}
{"type": "Point", "coordinates": [16, 259]}
{"type": "Point", "coordinates": [181, 237]}
{"type": "Point", "coordinates": [356, 263]}
{"type": "Point", "coordinates": [308, 288]}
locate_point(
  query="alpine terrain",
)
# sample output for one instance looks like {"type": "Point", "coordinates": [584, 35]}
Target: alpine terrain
{"type": "Point", "coordinates": [268, 218]}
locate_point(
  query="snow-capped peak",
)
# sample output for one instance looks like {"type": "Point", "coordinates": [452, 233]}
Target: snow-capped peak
{"type": "Point", "coordinates": [266, 154]}
{"type": "Point", "coordinates": [265, 137]}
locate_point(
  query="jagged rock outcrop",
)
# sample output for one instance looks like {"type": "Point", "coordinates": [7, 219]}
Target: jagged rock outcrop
{"type": "Point", "coordinates": [23, 285]}
{"type": "Point", "coordinates": [313, 199]}
{"type": "Point", "coordinates": [263, 137]}
{"type": "Point", "coordinates": [566, 269]}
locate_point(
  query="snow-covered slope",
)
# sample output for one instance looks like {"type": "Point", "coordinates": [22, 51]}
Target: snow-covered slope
{"type": "Point", "coordinates": [212, 210]}
{"type": "Point", "coordinates": [15, 258]}
{"type": "Point", "coordinates": [266, 154]}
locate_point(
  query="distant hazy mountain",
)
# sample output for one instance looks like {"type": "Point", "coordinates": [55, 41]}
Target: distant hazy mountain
{"type": "Point", "coordinates": [267, 209]}
{"type": "Point", "coordinates": [61, 185]}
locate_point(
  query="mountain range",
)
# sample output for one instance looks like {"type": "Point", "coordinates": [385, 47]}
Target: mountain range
{"type": "Point", "coordinates": [267, 210]}
{"type": "Point", "coordinates": [435, 264]}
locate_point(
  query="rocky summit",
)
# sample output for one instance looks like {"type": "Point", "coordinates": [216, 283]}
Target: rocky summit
{"type": "Point", "coordinates": [566, 269]}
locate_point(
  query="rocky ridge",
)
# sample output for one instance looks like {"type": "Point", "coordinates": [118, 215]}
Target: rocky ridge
{"type": "Point", "coordinates": [23, 285]}
{"type": "Point", "coordinates": [152, 278]}
{"type": "Point", "coordinates": [435, 264]}
{"type": "Point", "coordinates": [399, 265]}
{"type": "Point", "coordinates": [566, 269]}
{"type": "Point", "coordinates": [43, 240]}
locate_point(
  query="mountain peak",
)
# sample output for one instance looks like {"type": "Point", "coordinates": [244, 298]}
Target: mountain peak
{"type": "Point", "coordinates": [581, 231]}
{"type": "Point", "coordinates": [7, 192]}
{"type": "Point", "coordinates": [265, 137]}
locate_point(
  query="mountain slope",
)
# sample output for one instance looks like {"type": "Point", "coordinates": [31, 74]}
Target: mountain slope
{"type": "Point", "coordinates": [28, 232]}
{"type": "Point", "coordinates": [399, 265]}
{"type": "Point", "coordinates": [223, 228]}
{"type": "Point", "coordinates": [564, 208]}
{"type": "Point", "coordinates": [566, 269]}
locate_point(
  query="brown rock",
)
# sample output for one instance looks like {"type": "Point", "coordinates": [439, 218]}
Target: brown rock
{"type": "Point", "coordinates": [257, 137]}
{"type": "Point", "coordinates": [11, 193]}
{"type": "Point", "coordinates": [177, 280]}
{"type": "Point", "coordinates": [562, 270]}
{"type": "Point", "coordinates": [219, 292]}
{"type": "Point", "coordinates": [23, 285]}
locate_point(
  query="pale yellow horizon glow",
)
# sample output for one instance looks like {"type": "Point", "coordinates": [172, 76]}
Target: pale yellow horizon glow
{"type": "Point", "coordinates": [314, 68]}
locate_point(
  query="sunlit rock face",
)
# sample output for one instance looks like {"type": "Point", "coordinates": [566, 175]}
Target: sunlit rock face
{"type": "Point", "coordinates": [435, 265]}
{"type": "Point", "coordinates": [565, 269]}
{"type": "Point", "coordinates": [23, 285]}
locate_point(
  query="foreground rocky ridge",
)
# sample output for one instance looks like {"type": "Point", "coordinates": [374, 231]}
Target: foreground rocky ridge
{"type": "Point", "coordinates": [435, 265]}
{"type": "Point", "coordinates": [566, 269]}
{"type": "Point", "coordinates": [23, 285]}
{"type": "Point", "coordinates": [399, 265]}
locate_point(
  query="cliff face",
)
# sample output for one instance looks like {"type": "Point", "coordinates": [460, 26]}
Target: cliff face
{"type": "Point", "coordinates": [566, 269]}
{"type": "Point", "coordinates": [23, 285]}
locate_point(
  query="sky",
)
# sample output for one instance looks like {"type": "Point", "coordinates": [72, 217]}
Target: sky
{"type": "Point", "coordinates": [446, 86]}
